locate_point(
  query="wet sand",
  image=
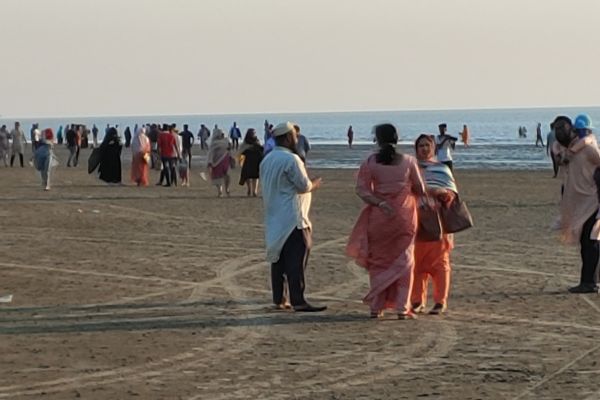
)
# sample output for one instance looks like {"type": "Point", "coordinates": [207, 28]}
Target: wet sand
{"type": "Point", "coordinates": [162, 293]}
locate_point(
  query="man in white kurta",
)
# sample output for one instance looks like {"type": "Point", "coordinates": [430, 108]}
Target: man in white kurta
{"type": "Point", "coordinates": [286, 190]}
{"type": "Point", "coordinates": [18, 143]}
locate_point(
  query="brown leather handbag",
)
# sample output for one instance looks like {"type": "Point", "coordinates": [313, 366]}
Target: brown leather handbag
{"type": "Point", "coordinates": [429, 228]}
{"type": "Point", "coordinates": [456, 217]}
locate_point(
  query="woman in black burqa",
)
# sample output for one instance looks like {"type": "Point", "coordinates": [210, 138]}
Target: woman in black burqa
{"type": "Point", "coordinates": [252, 154]}
{"type": "Point", "coordinates": [110, 157]}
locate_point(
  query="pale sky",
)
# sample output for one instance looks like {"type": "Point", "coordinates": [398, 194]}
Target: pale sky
{"type": "Point", "coordinates": [148, 57]}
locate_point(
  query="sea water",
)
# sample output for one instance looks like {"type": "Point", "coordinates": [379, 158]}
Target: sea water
{"type": "Point", "coordinates": [495, 143]}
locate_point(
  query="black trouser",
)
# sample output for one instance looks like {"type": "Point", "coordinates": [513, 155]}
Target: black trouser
{"type": "Point", "coordinates": [72, 156]}
{"type": "Point", "coordinates": [449, 164]}
{"type": "Point", "coordinates": [12, 159]}
{"type": "Point", "coordinates": [590, 252]}
{"type": "Point", "coordinates": [168, 171]}
{"type": "Point", "coordinates": [153, 157]}
{"type": "Point", "coordinates": [291, 264]}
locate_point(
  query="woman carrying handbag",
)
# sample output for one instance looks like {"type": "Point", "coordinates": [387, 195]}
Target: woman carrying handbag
{"type": "Point", "coordinates": [433, 244]}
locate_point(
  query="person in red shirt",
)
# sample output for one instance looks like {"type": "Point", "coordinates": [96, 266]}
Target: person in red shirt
{"type": "Point", "coordinates": [169, 153]}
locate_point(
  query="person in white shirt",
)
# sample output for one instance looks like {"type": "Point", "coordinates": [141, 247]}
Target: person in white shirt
{"type": "Point", "coordinates": [18, 143]}
{"type": "Point", "coordinates": [287, 197]}
{"type": "Point", "coordinates": [444, 146]}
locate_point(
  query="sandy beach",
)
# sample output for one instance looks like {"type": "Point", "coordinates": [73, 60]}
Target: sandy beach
{"type": "Point", "coordinates": [162, 293]}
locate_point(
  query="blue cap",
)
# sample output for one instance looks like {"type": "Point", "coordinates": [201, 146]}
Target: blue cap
{"type": "Point", "coordinates": [583, 121]}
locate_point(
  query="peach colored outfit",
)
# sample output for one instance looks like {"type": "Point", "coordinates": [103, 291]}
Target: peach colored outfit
{"type": "Point", "coordinates": [432, 260]}
{"type": "Point", "coordinates": [384, 244]}
{"type": "Point", "coordinates": [580, 199]}
{"type": "Point", "coordinates": [140, 146]}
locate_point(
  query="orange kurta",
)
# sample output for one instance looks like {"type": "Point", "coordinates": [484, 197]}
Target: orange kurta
{"type": "Point", "coordinates": [139, 166]}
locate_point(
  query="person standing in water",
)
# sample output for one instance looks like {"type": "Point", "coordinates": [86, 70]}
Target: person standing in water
{"type": "Point", "coordinates": [538, 135]}
{"type": "Point", "coordinates": [350, 135]}
{"type": "Point", "coordinates": [235, 135]}
{"type": "Point", "coordinates": [465, 135]}
{"type": "Point", "coordinates": [444, 146]}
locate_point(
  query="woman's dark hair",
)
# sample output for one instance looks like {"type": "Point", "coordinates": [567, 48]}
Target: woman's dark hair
{"type": "Point", "coordinates": [250, 137]}
{"type": "Point", "coordinates": [387, 137]}
{"type": "Point", "coordinates": [563, 130]}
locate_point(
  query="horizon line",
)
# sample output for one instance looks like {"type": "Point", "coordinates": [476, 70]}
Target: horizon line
{"type": "Point", "coordinates": [300, 112]}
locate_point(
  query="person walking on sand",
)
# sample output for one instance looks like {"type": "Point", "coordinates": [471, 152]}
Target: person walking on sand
{"type": "Point", "coordinates": [35, 137]}
{"type": "Point", "coordinates": [179, 143]}
{"type": "Point", "coordinates": [169, 153]}
{"type": "Point", "coordinates": [303, 145]}
{"type": "Point", "coordinates": [71, 138]}
{"type": "Point", "coordinates": [465, 135]}
{"type": "Point", "coordinates": [187, 141]}
{"type": "Point", "coordinates": [235, 135]}
{"type": "Point", "coordinates": [432, 258]}
{"type": "Point", "coordinates": [444, 146]}
{"type": "Point", "coordinates": [550, 140]}
{"type": "Point", "coordinates": [127, 135]}
{"type": "Point", "coordinates": [109, 168]}
{"type": "Point", "coordinates": [203, 135]}
{"type": "Point", "coordinates": [4, 135]}
{"type": "Point", "coordinates": [18, 143]}
{"type": "Point", "coordinates": [382, 240]}
{"type": "Point", "coordinates": [287, 192]}
{"type": "Point", "coordinates": [140, 157]}
{"type": "Point", "coordinates": [538, 135]}
{"type": "Point", "coordinates": [350, 135]}
{"type": "Point", "coordinates": [219, 162]}
{"type": "Point", "coordinates": [250, 155]}
{"type": "Point", "coordinates": [578, 222]}
{"type": "Point", "coordinates": [44, 157]}
{"type": "Point", "coordinates": [59, 135]}
{"type": "Point", "coordinates": [267, 131]}
{"type": "Point", "coordinates": [95, 136]}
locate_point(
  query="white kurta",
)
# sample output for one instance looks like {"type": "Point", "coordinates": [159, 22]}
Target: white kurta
{"type": "Point", "coordinates": [18, 141]}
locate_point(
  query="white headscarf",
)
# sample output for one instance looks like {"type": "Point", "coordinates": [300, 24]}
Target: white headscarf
{"type": "Point", "coordinates": [140, 142]}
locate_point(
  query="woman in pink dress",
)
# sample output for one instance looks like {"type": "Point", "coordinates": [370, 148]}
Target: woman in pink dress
{"type": "Point", "coordinates": [383, 238]}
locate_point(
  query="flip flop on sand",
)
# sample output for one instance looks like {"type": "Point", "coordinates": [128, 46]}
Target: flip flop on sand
{"type": "Point", "coordinates": [6, 299]}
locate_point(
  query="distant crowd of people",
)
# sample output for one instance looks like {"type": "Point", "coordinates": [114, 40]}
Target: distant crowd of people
{"type": "Point", "coordinates": [159, 147]}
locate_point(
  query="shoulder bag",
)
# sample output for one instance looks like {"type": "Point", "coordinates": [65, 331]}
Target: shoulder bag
{"type": "Point", "coordinates": [456, 217]}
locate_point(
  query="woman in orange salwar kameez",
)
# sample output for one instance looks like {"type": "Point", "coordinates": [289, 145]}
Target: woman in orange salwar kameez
{"type": "Point", "coordinates": [382, 240]}
{"type": "Point", "coordinates": [140, 155]}
{"type": "Point", "coordinates": [432, 258]}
